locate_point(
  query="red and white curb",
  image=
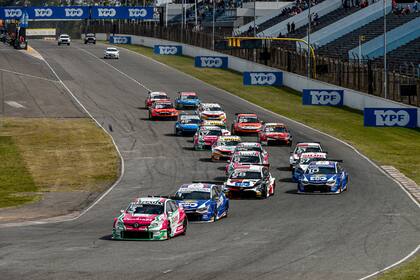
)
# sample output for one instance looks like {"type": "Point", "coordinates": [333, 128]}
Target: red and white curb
{"type": "Point", "coordinates": [406, 182]}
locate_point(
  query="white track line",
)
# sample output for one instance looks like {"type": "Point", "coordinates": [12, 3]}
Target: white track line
{"type": "Point", "coordinates": [28, 75]}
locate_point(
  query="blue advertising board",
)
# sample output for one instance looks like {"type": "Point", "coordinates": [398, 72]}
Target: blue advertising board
{"type": "Point", "coordinates": [77, 12]}
{"type": "Point", "coordinates": [405, 117]}
{"type": "Point", "coordinates": [323, 97]}
{"type": "Point", "coordinates": [263, 78]}
{"type": "Point", "coordinates": [211, 61]}
{"type": "Point", "coordinates": [120, 39]}
{"type": "Point", "coordinates": [69, 12]}
{"type": "Point", "coordinates": [104, 12]}
{"type": "Point", "coordinates": [167, 50]}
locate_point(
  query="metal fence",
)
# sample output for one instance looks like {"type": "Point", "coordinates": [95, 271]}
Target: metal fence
{"type": "Point", "coordinates": [365, 76]}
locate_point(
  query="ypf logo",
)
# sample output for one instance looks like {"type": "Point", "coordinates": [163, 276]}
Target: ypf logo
{"type": "Point", "coordinates": [168, 50]}
{"type": "Point", "coordinates": [137, 12]}
{"type": "Point", "coordinates": [392, 118]}
{"type": "Point", "coordinates": [106, 12]}
{"type": "Point", "coordinates": [73, 12]}
{"type": "Point", "coordinates": [120, 40]}
{"type": "Point", "coordinates": [262, 78]}
{"type": "Point", "coordinates": [212, 62]}
{"type": "Point", "coordinates": [11, 13]}
{"type": "Point", "coordinates": [322, 97]}
{"type": "Point", "coordinates": [43, 12]}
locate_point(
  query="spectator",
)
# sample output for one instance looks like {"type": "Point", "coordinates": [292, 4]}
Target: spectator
{"type": "Point", "coordinates": [416, 6]}
{"type": "Point", "coordinates": [292, 27]}
{"type": "Point", "coordinates": [288, 28]}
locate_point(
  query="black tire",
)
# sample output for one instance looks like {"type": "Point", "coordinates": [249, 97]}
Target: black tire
{"type": "Point", "coordinates": [94, 43]}
{"type": "Point", "coordinates": [68, 44]}
{"type": "Point", "coordinates": [264, 193]}
{"type": "Point", "coordinates": [168, 232]}
{"type": "Point", "coordinates": [150, 116]}
{"type": "Point", "coordinates": [185, 225]}
{"type": "Point", "coordinates": [232, 129]}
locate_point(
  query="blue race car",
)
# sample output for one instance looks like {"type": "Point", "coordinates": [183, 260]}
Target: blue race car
{"type": "Point", "coordinates": [323, 176]}
{"type": "Point", "coordinates": [204, 202]}
{"type": "Point", "coordinates": [187, 100]}
{"type": "Point", "coordinates": [187, 124]}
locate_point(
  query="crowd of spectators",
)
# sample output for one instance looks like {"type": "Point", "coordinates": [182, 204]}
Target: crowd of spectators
{"type": "Point", "coordinates": [400, 9]}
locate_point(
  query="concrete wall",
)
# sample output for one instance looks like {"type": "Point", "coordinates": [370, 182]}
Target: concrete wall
{"type": "Point", "coordinates": [353, 99]}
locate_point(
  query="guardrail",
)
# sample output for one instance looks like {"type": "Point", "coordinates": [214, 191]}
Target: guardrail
{"type": "Point", "coordinates": [365, 77]}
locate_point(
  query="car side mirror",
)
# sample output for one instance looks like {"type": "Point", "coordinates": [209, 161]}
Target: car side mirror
{"type": "Point", "coordinates": [228, 161]}
{"type": "Point", "coordinates": [121, 211]}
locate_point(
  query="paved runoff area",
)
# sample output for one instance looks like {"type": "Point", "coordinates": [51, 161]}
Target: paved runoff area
{"type": "Point", "coordinates": [288, 236]}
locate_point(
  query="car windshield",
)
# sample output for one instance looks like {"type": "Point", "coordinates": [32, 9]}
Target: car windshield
{"type": "Point", "coordinates": [190, 121]}
{"type": "Point", "coordinates": [228, 143]}
{"type": "Point", "coordinates": [212, 132]}
{"type": "Point", "coordinates": [151, 209]}
{"type": "Point", "coordinates": [248, 119]}
{"type": "Point", "coordinates": [162, 96]}
{"type": "Point", "coordinates": [111, 50]}
{"type": "Point", "coordinates": [188, 97]}
{"type": "Point", "coordinates": [164, 106]}
{"type": "Point", "coordinates": [320, 170]}
{"type": "Point", "coordinates": [245, 175]}
{"type": "Point", "coordinates": [90, 35]}
{"type": "Point", "coordinates": [250, 148]}
{"type": "Point", "coordinates": [64, 36]}
{"type": "Point", "coordinates": [247, 159]}
{"type": "Point", "coordinates": [313, 149]}
{"type": "Point", "coordinates": [213, 109]}
{"type": "Point", "coordinates": [195, 195]}
{"type": "Point", "coordinates": [275, 129]}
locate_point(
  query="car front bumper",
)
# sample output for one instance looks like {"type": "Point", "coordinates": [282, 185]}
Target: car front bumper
{"type": "Point", "coordinates": [139, 234]}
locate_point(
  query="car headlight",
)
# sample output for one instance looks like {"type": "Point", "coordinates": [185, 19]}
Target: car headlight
{"type": "Point", "coordinates": [331, 182]}
{"type": "Point", "coordinates": [156, 224]}
{"type": "Point", "coordinates": [305, 181]}
{"type": "Point", "coordinates": [203, 209]}
{"type": "Point", "coordinates": [119, 225]}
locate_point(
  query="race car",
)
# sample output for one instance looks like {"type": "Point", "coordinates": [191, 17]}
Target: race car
{"type": "Point", "coordinates": [323, 176]}
{"type": "Point", "coordinates": [251, 179]}
{"type": "Point", "coordinates": [187, 124]}
{"type": "Point", "coordinates": [187, 100]}
{"type": "Point", "coordinates": [203, 201]}
{"type": "Point", "coordinates": [302, 163]}
{"type": "Point", "coordinates": [150, 218]}
{"type": "Point", "coordinates": [211, 111]}
{"type": "Point", "coordinates": [64, 39]}
{"type": "Point", "coordinates": [303, 147]}
{"type": "Point", "coordinates": [224, 146]}
{"type": "Point", "coordinates": [252, 146]}
{"type": "Point", "coordinates": [206, 136]}
{"type": "Point", "coordinates": [90, 38]}
{"type": "Point", "coordinates": [274, 133]}
{"type": "Point", "coordinates": [242, 158]}
{"type": "Point", "coordinates": [153, 97]}
{"type": "Point", "coordinates": [220, 124]}
{"type": "Point", "coordinates": [111, 52]}
{"type": "Point", "coordinates": [246, 123]}
{"type": "Point", "coordinates": [162, 109]}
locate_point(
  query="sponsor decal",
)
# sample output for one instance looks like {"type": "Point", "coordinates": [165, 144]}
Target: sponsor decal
{"type": "Point", "coordinates": [13, 13]}
{"type": "Point", "coordinates": [167, 50]}
{"type": "Point", "coordinates": [137, 12]}
{"type": "Point", "coordinates": [323, 97]}
{"type": "Point", "coordinates": [390, 117]}
{"type": "Point", "coordinates": [43, 12]}
{"type": "Point", "coordinates": [263, 78]}
{"type": "Point", "coordinates": [318, 178]}
{"type": "Point", "coordinates": [105, 12]}
{"type": "Point", "coordinates": [73, 12]}
{"type": "Point", "coordinates": [211, 61]}
{"type": "Point", "coordinates": [120, 39]}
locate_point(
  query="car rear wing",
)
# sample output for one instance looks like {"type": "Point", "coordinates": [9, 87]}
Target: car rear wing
{"type": "Point", "coordinates": [335, 160]}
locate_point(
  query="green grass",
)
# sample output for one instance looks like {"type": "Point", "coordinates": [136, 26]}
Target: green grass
{"type": "Point", "coordinates": [408, 271]}
{"type": "Point", "coordinates": [399, 147]}
{"type": "Point", "coordinates": [15, 179]}
{"type": "Point", "coordinates": [53, 155]}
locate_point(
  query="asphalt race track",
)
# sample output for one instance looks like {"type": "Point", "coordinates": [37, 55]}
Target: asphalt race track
{"type": "Point", "coordinates": [288, 236]}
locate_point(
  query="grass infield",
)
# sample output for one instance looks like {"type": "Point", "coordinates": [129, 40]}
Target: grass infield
{"type": "Point", "coordinates": [53, 155]}
{"type": "Point", "coordinates": [399, 147]}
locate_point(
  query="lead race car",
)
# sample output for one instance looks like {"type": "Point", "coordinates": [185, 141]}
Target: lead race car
{"type": "Point", "coordinates": [187, 124]}
{"type": "Point", "coordinates": [304, 160]}
{"type": "Point", "coordinates": [242, 158]}
{"type": "Point", "coordinates": [224, 146]}
{"type": "Point", "coordinates": [323, 176]}
{"type": "Point", "coordinates": [150, 218]}
{"type": "Point", "coordinates": [303, 147]}
{"type": "Point", "coordinates": [187, 100]}
{"type": "Point", "coordinates": [162, 109]}
{"type": "Point", "coordinates": [154, 96]}
{"type": "Point", "coordinates": [203, 201]}
{"type": "Point", "coordinates": [251, 179]}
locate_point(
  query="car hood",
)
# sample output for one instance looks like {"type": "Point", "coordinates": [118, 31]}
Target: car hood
{"type": "Point", "coordinates": [249, 124]}
{"type": "Point", "coordinates": [143, 219]}
{"type": "Point", "coordinates": [192, 204]}
{"type": "Point", "coordinates": [188, 101]}
{"type": "Point", "coordinates": [188, 125]}
{"type": "Point", "coordinates": [213, 113]}
{"type": "Point", "coordinates": [225, 148]}
{"type": "Point", "coordinates": [242, 182]}
{"type": "Point", "coordinates": [318, 178]}
{"type": "Point", "coordinates": [277, 134]}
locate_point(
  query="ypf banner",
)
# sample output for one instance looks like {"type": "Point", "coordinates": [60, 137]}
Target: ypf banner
{"type": "Point", "coordinates": [323, 97]}
{"type": "Point", "coordinates": [104, 12]}
{"type": "Point", "coordinates": [70, 12]}
{"type": "Point", "coordinates": [167, 50]}
{"type": "Point", "coordinates": [120, 39]}
{"type": "Point", "coordinates": [390, 117]}
{"type": "Point", "coordinates": [211, 61]}
{"type": "Point", "coordinates": [263, 78]}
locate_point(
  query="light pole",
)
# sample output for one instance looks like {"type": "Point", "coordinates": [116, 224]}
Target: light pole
{"type": "Point", "coordinates": [385, 64]}
{"type": "Point", "coordinates": [166, 14]}
{"type": "Point", "coordinates": [214, 19]}
{"type": "Point", "coordinates": [309, 39]}
{"type": "Point", "coordinates": [196, 20]}
{"type": "Point", "coordinates": [255, 24]}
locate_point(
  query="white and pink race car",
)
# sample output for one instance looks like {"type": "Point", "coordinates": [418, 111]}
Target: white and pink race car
{"type": "Point", "coordinates": [242, 158]}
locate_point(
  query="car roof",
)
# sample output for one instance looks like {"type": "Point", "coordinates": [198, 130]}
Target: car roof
{"type": "Point", "coordinates": [229, 138]}
{"type": "Point", "coordinates": [150, 199]}
{"type": "Point", "coordinates": [210, 105]}
{"type": "Point", "coordinates": [308, 144]}
{"type": "Point", "coordinates": [202, 187]}
{"type": "Point", "coordinates": [247, 115]}
{"type": "Point", "coordinates": [111, 48]}
{"type": "Point", "coordinates": [155, 93]}
{"type": "Point", "coordinates": [187, 93]}
{"type": "Point", "coordinates": [323, 163]}
{"type": "Point", "coordinates": [275, 124]}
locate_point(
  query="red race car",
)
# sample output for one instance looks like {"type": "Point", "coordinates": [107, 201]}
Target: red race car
{"type": "Point", "coordinates": [153, 97]}
{"type": "Point", "coordinates": [163, 109]}
{"type": "Point", "coordinates": [245, 123]}
{"type": "Point", "coordinates": [274, 133]}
